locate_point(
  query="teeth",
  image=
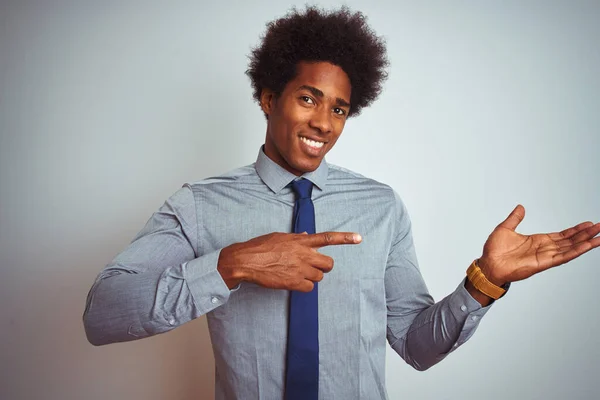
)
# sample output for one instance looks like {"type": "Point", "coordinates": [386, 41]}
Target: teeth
{"type": "Point", "coordinates": [312, 143]}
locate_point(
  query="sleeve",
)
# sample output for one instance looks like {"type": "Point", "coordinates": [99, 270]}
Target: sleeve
{"type": "Point", "coordinates": [420, 331]}
{"type": "Point", "coordinates": [158, 282]}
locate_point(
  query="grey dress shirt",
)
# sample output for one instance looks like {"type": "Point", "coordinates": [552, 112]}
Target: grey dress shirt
{"type": "Point", "coordinates": [168, 276]}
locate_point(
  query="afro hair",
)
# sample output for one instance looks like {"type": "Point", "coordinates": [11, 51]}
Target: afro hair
{"type": "Point", "coordinates": [340, 37]}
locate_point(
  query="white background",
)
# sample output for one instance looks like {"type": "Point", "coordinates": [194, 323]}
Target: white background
{"type": "Point", "coordinates": [106, 108]}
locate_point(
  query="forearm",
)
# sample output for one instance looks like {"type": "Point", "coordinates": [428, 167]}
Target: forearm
{"type": "Point", "coordinates": [126, 305]}
{"type": "Point", "coordinates": [438, 329]}
{"type": "Point", "coordinates": [120, 307]}
{"type": "Point", "coordinates": [420, 331]}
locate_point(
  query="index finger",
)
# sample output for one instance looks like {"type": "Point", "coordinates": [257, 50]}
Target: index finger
{"type": "Point", "coordinates": [322, 239]}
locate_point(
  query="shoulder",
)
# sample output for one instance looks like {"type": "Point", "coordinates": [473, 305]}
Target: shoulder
{"type": "Point", "coordinates": [184, 199]}
{"type": "Point", "coordinates": [182, 204]}
{"type": "Point", "coordinates": [345, 179]}
{"type": "Point", "coordinates": [241, 175]}
{"type": "Point", "coordinates": [379, 194]}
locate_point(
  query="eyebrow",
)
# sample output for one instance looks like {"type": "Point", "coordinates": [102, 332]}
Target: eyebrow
{"type": "Point", "coordinates": [318, 93]}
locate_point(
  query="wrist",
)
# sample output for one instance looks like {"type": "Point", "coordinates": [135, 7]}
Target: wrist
{"type": "Point", "coordinates": [481, 283]}
{"type": "Point", "coordinates": [487, 268]}
{"type": "Point", "coordinates": [229, 269]}
{"type": "Point", "coordinates": [480, 297]}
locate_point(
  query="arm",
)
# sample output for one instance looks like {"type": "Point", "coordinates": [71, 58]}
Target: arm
{"type": "Point", "coordinates": [423, 333]}
{"type": "Point", "coordinates": [158, 282]}
{"type": "Point", "coordinates": [420, 331]}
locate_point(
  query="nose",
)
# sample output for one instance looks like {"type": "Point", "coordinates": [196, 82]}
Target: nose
{"type": "Point", "coordinates": [321, 120]}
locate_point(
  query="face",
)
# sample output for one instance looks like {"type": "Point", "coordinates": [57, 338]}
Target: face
{"type": "Point", "coordinates": [306, 120]}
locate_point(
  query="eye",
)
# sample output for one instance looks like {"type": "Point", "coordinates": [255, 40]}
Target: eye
{"type": "Point", "coordinates": [307, 99]}
{"type": "Point", "coordinates": [339, 111]}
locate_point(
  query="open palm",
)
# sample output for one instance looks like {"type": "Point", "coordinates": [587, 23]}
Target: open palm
{"type": "Point", "coordinates": [509, 256]}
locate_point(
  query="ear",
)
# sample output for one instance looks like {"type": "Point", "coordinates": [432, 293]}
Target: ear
{"type": "Point", "coordinates": [267, 101]}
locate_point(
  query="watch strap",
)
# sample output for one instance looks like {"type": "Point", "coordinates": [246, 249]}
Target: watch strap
{"type": "Point", "coordinates": [478, 279]}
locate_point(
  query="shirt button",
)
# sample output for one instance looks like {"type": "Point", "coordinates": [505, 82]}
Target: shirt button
{"type": "Point", "coordinates": [474, 318]}
{"type": "Point", "coordinates": [463, 308]}
{"type": "Point", "coordinates": [171, 321]}
{"type": "Point", "coordinates": [214, 300]}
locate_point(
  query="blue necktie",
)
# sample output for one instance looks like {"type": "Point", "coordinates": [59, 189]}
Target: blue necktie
{"type": "Point", "coordinates": [302, 373]}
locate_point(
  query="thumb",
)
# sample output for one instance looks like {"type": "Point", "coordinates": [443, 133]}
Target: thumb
{"type": "Point", "coordinates": [514, 219]}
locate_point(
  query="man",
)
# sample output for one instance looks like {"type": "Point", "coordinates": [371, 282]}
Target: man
{"type": "Point", "coordinates": [284, 321]}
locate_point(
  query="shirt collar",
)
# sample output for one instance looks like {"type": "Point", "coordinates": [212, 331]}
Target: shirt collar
{"type": "Point", "coordinates": [276, 177]}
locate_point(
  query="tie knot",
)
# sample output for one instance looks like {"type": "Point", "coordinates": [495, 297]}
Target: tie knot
{"type": "Point", "coordinates": [302, 188]}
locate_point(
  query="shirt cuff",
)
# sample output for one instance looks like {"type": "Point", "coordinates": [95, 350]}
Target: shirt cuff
{"type": "Point", "coordinates": [206, 284]}
{"type": "Point", "coordinates": [462, 303]}
{"type": "Point", "coordinates": [466, 310]}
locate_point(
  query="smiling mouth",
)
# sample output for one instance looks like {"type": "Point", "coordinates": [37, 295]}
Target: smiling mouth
{"type": "Point", "coordinates": [312, 143]}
